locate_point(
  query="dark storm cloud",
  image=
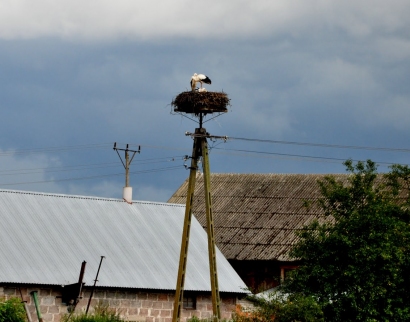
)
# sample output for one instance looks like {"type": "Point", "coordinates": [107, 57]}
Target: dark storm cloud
{"type": "Point", "coordinates": [333, 74]}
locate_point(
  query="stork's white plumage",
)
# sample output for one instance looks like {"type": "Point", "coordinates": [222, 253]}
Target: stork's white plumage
{"type": "Point", "coordinates": [199, 78]}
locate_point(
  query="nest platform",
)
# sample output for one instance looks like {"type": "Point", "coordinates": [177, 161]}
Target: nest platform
{"type": "Point", "coordinates": [201, 102]}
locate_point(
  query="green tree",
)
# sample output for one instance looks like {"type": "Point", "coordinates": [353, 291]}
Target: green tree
{"type": "Point", "coordinates": [356, 259]}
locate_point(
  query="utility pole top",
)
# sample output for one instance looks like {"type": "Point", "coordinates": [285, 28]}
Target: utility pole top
{"type": "Point", "coordinates": [127, 192]}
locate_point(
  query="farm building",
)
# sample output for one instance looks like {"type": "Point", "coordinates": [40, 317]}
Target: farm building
{"type": "Point", "coordinates": [45, 238]}
{"type": "Point", "coordinates": [255, 220]}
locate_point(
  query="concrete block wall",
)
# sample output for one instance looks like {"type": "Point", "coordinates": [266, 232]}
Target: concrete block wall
{"type": "Point", "coordinates": [50, 304]}
{"type": "Point", "coordinates": [132, 305]}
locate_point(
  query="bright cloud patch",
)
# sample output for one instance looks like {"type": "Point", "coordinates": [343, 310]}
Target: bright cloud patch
{"type": "Point", "coordinates": [147, 19]}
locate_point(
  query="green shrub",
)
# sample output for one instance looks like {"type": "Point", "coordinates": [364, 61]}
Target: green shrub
{"type": "Point", "coordinates": [102, 313]}
{"type": "Point", "coordinates": [281, 308]}
{"type": "Point", "coordinates": [12, 310]}
{"type": "Point", "coordinates": [196, 319]}
{"type": "Point", "coordinates": [300, 308]}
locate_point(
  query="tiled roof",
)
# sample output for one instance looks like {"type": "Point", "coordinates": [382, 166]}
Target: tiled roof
{"type": "Point", "coordinates": [44, 238]}
{"type": "Point", "coordinates": [256, 215]}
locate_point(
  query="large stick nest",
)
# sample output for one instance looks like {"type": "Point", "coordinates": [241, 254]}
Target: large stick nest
{"type": "Point", "coordinates": [201, 102]}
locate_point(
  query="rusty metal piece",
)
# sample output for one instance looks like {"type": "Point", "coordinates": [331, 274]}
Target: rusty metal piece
{"type": "Point", "coordinates": [95, 282]}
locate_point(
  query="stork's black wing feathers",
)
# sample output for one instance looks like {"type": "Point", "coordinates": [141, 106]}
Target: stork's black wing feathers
{"type": "Point", "coordinates": [206, 80]}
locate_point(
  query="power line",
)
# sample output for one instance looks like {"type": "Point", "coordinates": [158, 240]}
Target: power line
{"type": "Point", "coordinates": [226, 138]}
{"type": "Point", "coordinates": [322, 145]}
{"type": "Point", "coordinates": [57, 149]}
{"type": "Point", "coordinates": [15, 172]}
{"type": "Point", "coordinates": [97, 176]}
{"type": "Point", "coordinates": [296, 155]}
{"type": "Point", "coordinates": [173, 158]}
{"type": "Point", "coordinates": [85, 166]}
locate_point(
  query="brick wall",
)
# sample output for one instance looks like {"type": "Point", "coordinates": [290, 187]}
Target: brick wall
{"type": "Point", "coordinates": [132, 305]}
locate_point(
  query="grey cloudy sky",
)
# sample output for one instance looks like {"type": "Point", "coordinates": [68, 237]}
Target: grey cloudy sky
{"type": "Point", "coordinates": [77, 77]}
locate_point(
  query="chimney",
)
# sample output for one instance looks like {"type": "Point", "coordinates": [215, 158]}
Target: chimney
{"type": "Point", "coordinates": [127, 194]}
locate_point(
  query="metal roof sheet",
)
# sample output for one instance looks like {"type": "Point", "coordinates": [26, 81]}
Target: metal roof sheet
{"type": "Point", "coordinates": [45, 237]}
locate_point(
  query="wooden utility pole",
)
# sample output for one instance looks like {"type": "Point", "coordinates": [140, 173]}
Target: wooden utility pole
{"type": "Point", "coordinates": [200, 149]}
{"type": "Point", "coordinates": [127, 162]}
{"type": "Point", "coordinates": [199, 104]}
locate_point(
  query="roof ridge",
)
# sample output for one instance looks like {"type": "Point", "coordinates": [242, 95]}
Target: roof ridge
{"type": "Point", "coordinates": [68, 196]}
{"type": "Point", "coordinates": [274, 173]}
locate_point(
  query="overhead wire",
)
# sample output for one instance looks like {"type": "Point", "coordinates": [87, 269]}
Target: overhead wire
{"type": "Point", "coordinates": [297, 156]}
{"type": "Point", "coordinates": [107, 145]}
{"type": "Point", "coordinates": [322, 145]}
{"type": "Point", "coordinates": [56, 149]}
{"type": "Point", "coordinates": [96, 176]}
{"type": "Point", "coordinates": [214, 139]}
{"type": "Point", "coordinates": [85, 166]}
{"type": "Point", "coordinates": [71, 148]}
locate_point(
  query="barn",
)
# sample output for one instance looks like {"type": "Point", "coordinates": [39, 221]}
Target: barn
{"type": "Point", "coordinates": [256, 217]}
{"type": "Point", "coordinates": [134, 247]}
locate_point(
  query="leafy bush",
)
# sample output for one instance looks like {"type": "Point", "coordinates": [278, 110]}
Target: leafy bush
{"type": "Point", "coordinates": [280, 308]}
{"type": "Point", "coordinates": [102, 313]}
{"type": "Point", "coordinates": [196, 319]}
{"type": "Point", "coordinates": [12, 310]}
{"type": "Point", "coordinates": [299, 308]}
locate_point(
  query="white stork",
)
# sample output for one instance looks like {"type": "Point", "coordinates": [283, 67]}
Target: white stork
{"type": "Point", "coordinates": [199, 78]}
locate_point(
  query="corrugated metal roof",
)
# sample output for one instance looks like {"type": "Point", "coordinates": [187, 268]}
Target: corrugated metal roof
{"type": "Point", "coordinates": [45, 237]}
{"type": "Point", "coordinates": [256, 215]}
